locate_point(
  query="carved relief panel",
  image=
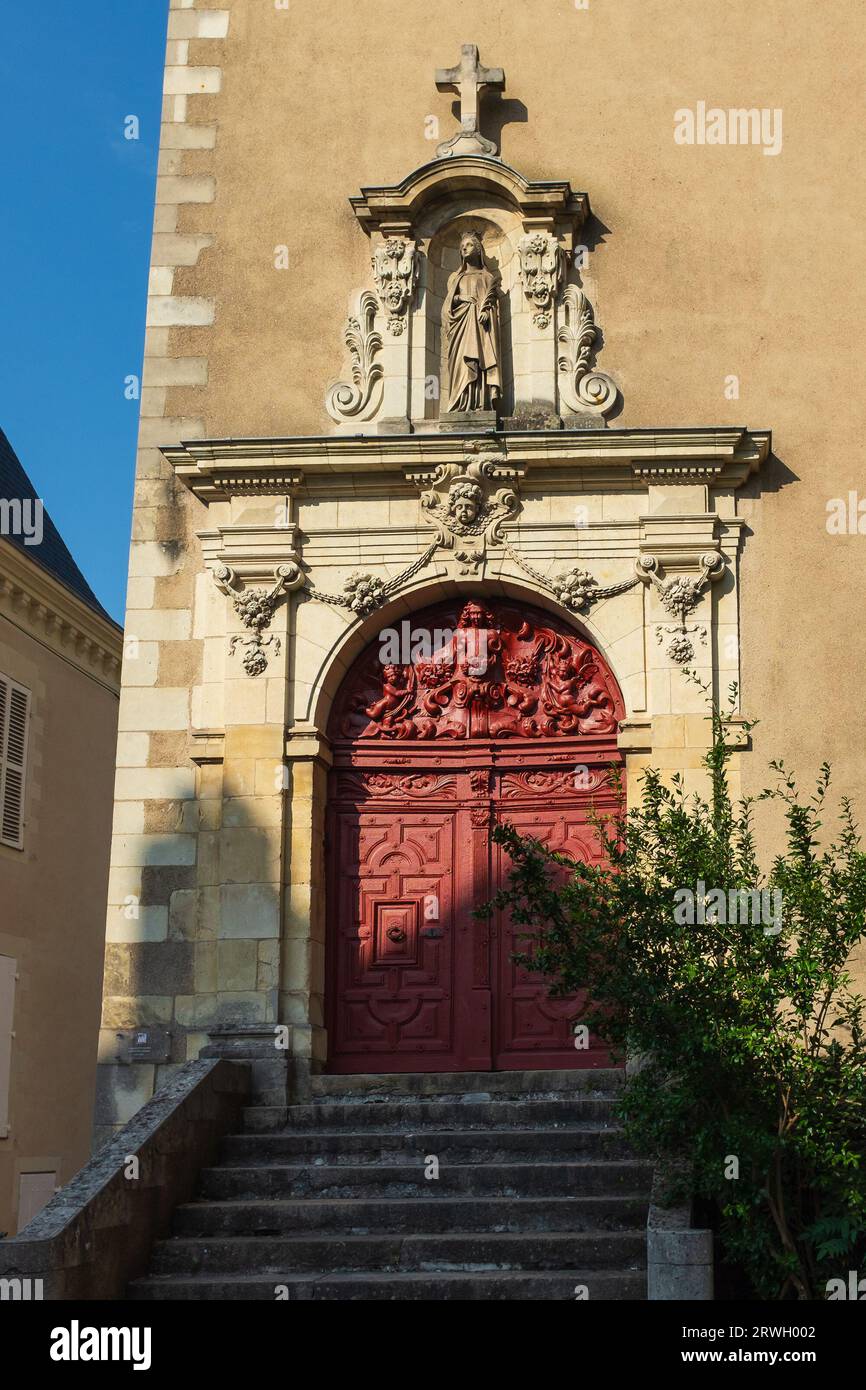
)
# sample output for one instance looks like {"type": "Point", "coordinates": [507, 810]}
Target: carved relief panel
{"type": "Point", "coordinates": [485, 672]}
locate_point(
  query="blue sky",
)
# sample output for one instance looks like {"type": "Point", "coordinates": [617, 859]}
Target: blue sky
{"type": "Point", "coordinates": [74, 248]}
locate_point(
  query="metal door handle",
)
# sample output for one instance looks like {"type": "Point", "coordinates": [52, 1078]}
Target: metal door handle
{"type": "Point", "coordinates": [396, 934]}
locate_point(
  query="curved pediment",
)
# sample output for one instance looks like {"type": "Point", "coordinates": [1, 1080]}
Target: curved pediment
{"type": "Point", "coordinates": [397, 208]}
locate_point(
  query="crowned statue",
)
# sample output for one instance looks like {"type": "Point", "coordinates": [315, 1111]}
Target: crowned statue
{"type": "Point", "coordinates": [471, 315]}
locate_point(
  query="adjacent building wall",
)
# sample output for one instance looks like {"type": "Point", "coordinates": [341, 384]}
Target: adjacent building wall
{"type": "Point", "coordinates": [52, 892]}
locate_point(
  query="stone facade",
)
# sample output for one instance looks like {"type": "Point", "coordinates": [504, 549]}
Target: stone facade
{"type": "Point", "coordinates": [293, 479]}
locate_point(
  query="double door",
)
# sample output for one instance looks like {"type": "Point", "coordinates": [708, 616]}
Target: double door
{"type": "Point", "coordinates": [416, 981]}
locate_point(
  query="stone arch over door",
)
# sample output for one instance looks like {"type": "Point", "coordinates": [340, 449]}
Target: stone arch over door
{"type": "Point", "coordinates": [474, 710]}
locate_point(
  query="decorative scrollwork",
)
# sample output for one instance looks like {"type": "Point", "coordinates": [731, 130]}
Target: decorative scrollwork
{"type": "Point", "coordinates": [349, 400]}
{"type": "Point", "coordinates": [521, 785]}
{"type": "Point", "coordinates": [382, 784]}
{"type": "Point", "coordinates": [582, 389]}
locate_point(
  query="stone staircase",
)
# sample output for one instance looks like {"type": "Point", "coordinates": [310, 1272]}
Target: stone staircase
{"type": "Point", "coordinates": [536, 1195]}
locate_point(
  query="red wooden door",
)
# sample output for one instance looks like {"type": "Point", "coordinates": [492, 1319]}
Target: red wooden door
{"type": "Point", "coordinates": [427, 757]}
{"type": "Point", "coordinates": [532, 1029]}
{"type": "Point", "coordinates": [408, 962]}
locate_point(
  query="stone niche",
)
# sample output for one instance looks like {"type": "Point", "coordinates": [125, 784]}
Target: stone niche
{"type": "Point", "coordinates": [530, 233]}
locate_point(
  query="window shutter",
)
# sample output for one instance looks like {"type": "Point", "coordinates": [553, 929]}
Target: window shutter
{"type": "Point", "coordinates": [14, 726]}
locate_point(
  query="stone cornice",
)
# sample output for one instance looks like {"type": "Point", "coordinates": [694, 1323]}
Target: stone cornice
{"type": "Point", "coordinates": [720, 457]}
{"type": "Point", "coordinates": [39, 605]}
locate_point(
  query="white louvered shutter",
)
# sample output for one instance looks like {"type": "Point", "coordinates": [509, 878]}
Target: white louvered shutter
{"type": "Point", "coordinates": [14, 728]}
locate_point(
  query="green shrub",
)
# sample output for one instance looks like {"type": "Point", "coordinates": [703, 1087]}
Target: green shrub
{"type": "Point", "coordinates": [750, 1033]}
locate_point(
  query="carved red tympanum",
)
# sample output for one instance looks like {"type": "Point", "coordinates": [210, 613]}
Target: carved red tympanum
{"type": "Point", "coordinates": [501, 713]}
{"type": "Point", "coordinates": [481, 672]}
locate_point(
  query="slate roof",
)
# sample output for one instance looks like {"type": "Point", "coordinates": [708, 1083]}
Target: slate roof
{"type": "Point", "coordinates": [53, 554]}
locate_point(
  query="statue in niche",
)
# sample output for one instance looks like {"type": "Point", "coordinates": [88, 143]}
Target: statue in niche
{"type": "Point", "coordinates": [471, 316]}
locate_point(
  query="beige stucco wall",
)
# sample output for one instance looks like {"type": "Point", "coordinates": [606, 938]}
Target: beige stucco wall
{"type": "Point", "coordinates": [705, 263]}
{"type": "Point", "coordinates": [52, 896]}
{"type": "Point", "coordinates": [711, 261]}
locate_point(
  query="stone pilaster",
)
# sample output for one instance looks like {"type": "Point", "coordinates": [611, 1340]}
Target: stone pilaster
{"type": "Point", "coordinates": [302, 974]}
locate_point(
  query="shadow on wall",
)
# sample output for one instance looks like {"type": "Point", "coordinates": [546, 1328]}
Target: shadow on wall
{"type": "Point", "coordinates": [193, 933]}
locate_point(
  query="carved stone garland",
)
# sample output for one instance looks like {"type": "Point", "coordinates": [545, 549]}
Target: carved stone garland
{"type": "Point", "coordinates": [363, 593]}
{"type": "Point", "coordinates": [577, 590]}
{"type": "Point", "coordinates": [468, 513]}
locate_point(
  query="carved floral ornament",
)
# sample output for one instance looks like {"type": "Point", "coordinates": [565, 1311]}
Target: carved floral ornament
{"type": "Point", "coordinates": [680, 597]}
{"type": "Point", "coordinates": [256, 607]}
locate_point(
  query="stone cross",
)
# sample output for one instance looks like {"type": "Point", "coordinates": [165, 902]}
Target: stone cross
{"type": "Point", "coordinates": [469, 78]}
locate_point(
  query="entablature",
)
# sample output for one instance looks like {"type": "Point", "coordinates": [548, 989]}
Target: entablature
{"type": "Point", "coordinates": [721, 457]}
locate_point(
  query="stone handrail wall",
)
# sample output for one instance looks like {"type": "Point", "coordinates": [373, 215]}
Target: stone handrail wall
{"type": "Point", "coordinates": [96, 1234]}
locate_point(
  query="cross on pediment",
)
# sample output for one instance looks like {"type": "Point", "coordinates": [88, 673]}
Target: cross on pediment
{"type": "Point", "coordinates": [469, 78]}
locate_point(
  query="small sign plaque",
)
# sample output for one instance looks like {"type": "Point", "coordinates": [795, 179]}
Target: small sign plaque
{"type": "Point", "coordinates": [145, 1044]}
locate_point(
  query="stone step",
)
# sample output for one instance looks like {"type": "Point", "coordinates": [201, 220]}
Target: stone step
{"type": "Point", "coordinates": [373, 1216]}
{"type": "Point", "coordinates": [405, 1180]}
{"type": "Point", "coordinates": [435, 1114]}
{"type": "Point", "coordinates": [481, 1085]}
{"type": "Point", "coordinates": [560, 1285]}
{"type": "Point", "coordinates": [453, 1146]}
{"type": "Point", "coordinates": [400, 1253]}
